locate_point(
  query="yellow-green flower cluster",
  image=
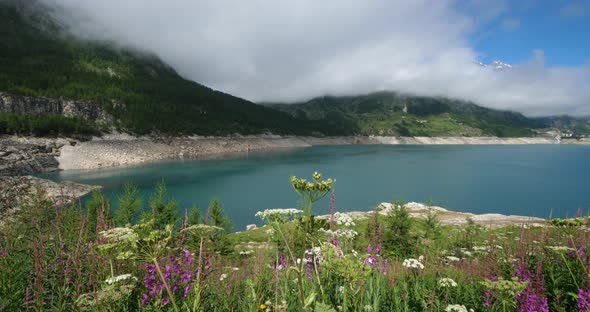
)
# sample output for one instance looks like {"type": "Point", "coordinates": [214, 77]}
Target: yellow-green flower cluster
{"type": "Point", "coordinates": [512, 287]}
{"type": "Point", "coordinates": [302, 185]}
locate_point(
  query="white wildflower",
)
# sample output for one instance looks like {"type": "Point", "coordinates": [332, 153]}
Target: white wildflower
{"type": "Point", "coordinates": [222, 277]}
{"type": "Point", "coordinates": [344, 219]}
{"type": "Point", "coordinates": [235, 269]}
{"type": "Point", "coordinates": [202, 229]}
{"type": "Point", "coordinates": [559, 248]}
{"type": "Point", "coordinates": [278, 215]}
{"type": "Point", "coordinates": [119, 278]}
{"type": "Point", "coordinates": [457, 308]}
{"type": "Point", "coordinates": [245, 252]}
{"type": "Point", "coordinates": [119, 234]}
{"type": "Point", "coordinates": [446, 282]}
{"type": "Point", "coordinates": [413, 264]}
{"type": "Point", "coordinates": [452, 258]}
{"type": "Point", "coordinates": [346, 233]}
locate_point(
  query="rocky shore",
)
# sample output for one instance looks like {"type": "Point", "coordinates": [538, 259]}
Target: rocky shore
{"type": "Point", "coordinates": [447, 217]}
{"type": "Point", "coordinates": [15, 190]}
{"type": "Point", "coordinates": [118, 150]}
{"type": "Point", "coordinates": [25, 155]}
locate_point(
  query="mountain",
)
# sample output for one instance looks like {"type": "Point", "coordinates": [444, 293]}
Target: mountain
{"type": "Point", "coordinates": [390, 113]}
{"type": "Point", "coordinates": [576, 125]}
{"type": "Point", "coordinates": [38, 58]}
{"type": "Point", "coordinates": [52, 83]}
{"type": "Point", "coordinates": [496, 65]}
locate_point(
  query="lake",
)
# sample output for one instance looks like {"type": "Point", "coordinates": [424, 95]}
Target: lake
{"type": "Point", "coordinates": [533, 180]}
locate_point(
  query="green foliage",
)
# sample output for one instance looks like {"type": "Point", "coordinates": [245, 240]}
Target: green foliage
{"type": "Point", "coordinates": [217, 215]}
{"type": "Point", "coordinates": [97, 207]}
{"type": "Point", "coordinates": [130, 204]}
{"type": "Point", "coordinates": [195, 216]}
{"type": "Point", "coordinates": [431, 224]}
{"type": "Point", "coordinates": [46, 125]}
{"type": "Point", "coordinates": [163, 210]}
{"type": "Point", "coordinates": [398, 239]}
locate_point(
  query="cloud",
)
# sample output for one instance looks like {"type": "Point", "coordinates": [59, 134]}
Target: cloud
{"type": "Point", "coordinates": [284, 50]}
{"type": "Point", "coordinates": [510, 24]}
{"type": "Point", "coordinates": [576, 9]}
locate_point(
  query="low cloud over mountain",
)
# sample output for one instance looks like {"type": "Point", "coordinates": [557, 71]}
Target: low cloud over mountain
{"type": "Point", "coordinates": [294, 50]}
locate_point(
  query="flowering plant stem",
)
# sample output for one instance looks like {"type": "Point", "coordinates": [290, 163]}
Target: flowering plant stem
{"type": "Point", "coordinates": [166, 285]}
{"type": "Point", "coordinates": [197, 301]}
{"type": "Point", "coordinates": [277, 227]}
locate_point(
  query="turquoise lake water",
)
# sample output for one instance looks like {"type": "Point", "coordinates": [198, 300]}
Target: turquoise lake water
{"type": "Point", "coordinates": [534, 180]}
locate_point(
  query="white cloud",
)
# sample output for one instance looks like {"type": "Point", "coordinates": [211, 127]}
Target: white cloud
{"type": "Point", "coordinates": [283, 50]}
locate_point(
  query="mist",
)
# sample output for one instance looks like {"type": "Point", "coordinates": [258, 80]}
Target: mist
{"type": "Point", "coordinates": [289, 51]}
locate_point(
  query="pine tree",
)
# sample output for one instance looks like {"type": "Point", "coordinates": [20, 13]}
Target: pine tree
{"type": "Point", "coordinates": [217, 215]}
{"type": "Point", "coordinates": [163, 210]}
{"type": "Point", "coordinates": [130, 204]}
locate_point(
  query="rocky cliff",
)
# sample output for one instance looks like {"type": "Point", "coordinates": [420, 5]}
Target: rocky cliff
{"type": "Point", "coordinates": [20, 156]}
{"type": "Point", "coordinates": [41, 105]}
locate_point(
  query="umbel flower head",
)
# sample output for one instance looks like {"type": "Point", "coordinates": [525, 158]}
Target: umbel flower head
{"type": "Point", "coordinates": [277, 215]}
{"type": "Point", "coordinates": [446, 282]}
{"type": "Point", "coordinates": [302, 185]}
{"type": "Point", "coordinates": [413, 264]}
{"type": "Point", "coordinates": [312, 191]}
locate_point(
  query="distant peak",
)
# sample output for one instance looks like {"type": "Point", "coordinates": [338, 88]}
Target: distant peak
{"type": "Point", "coordinates": [496, 65]}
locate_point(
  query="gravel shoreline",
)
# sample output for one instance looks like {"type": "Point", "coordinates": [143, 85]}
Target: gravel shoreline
{"type": "Point", "coordinates": [123, 149]}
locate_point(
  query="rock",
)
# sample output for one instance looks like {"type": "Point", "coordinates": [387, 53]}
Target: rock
{"type": "Point", "coordinates": [22, 156]}
{"type": "Point", "coordinates": [41, 105]}
{"type": "Point", "coordinates": [251, 227]}
{"type": "Point", "coordinates": [60, 194]}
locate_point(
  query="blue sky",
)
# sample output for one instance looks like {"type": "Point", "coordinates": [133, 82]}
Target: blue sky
{"type": "Point", "coordinates": [561, 29]}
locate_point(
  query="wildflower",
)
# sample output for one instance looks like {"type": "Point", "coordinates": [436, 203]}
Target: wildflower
{"type": "Point", "coordinates": [457, 308]}
{"type": "Point", "coordinates": [202, 229]}
{"type": "Point", "coordinates": [119, 278]}
{"type": "Point", "coordinates": [235, 269]}
{"type": "Point", "coordinates": [371, 261]}
{"type": "Point", "coordinates": [222, 277]}
{"type": "Point", "coordinates": [413, 264]}
{"type": "Point", "coordinates": [583, 300]}
{"type": "Point", "coordinates": [452, 258]}
{"type": "Point", "coordinates": [446, 282]}
{"type": "Point", "coordinates": [119, 234]}
{"type": "Point", "coordinates": [177, 272]}
{"type": "Point", "coordinates": [559, 248]}
{"type": "Point", "coordinates": [344, 219]}
{"type": "Point", "coordinates": [277, 215]}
